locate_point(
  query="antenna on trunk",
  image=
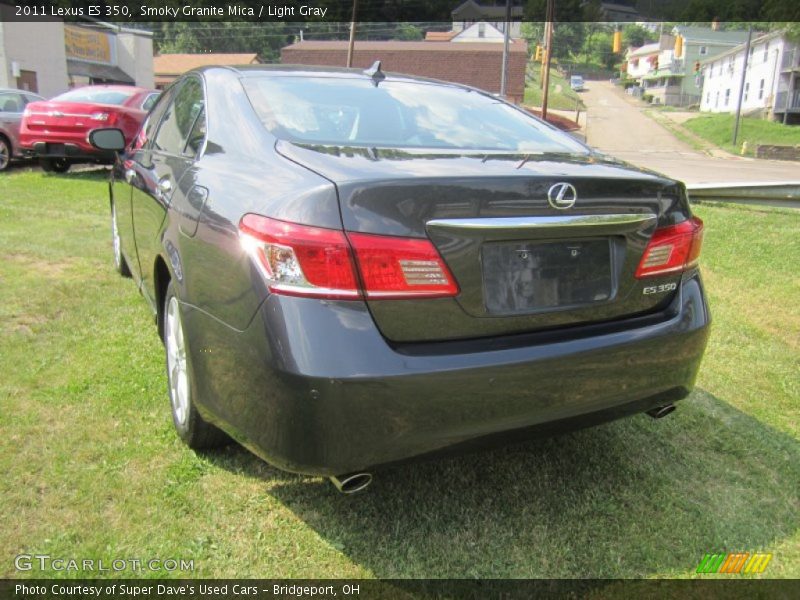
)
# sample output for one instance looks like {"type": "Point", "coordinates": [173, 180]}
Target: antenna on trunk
{"type": "Point", "coordinates": [375, 73]}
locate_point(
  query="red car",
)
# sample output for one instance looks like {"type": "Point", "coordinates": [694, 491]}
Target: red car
{"type": "Point", "coordinates": [57, 130]}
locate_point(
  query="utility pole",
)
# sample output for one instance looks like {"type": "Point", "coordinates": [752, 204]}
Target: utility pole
{"type": "Point", "coordinates": [506, 35]}
{"type": "Point", "coordinates": [547, 50]}
{"type": "Point", "coordinates": [741, 85]}
{"type": "Point", "coordinates": [352, 36]}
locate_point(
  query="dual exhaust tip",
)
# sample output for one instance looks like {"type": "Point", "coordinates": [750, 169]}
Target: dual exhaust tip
{"type": "Point", "coordinates": [357, 482]}
{"type": "Point", "coordinates": [352, 483]}
{"type": "Point", "coordinates": [661, 411]}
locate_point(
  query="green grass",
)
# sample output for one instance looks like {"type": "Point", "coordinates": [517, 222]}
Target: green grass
{"type": "Point", "coordinates": [718, 129]}
{"type": "Point", "coordinates": [560, 96]}
{"type": "Point", "coordinates": [92, 469]}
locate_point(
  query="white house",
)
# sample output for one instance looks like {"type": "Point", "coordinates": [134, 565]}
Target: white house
{"type": "Point", "coordinates": [772, 66]}
{"type": "Point", "coordinates": [641, 60]}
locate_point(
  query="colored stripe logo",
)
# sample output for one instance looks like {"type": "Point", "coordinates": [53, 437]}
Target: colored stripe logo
{"type": "Point", "coordinates": [734, 562]}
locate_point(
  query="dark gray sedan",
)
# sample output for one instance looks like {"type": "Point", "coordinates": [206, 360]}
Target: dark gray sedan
{"type": "Point", "coordinates": [351, 269]}
{"type": "Point", "coordinates": [12, 105]}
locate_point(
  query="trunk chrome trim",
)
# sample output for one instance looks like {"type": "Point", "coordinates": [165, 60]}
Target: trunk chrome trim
{"type": "Point", "coordinates": [634, 220]}
{"type": "Point", "coordinates": [500, 228]}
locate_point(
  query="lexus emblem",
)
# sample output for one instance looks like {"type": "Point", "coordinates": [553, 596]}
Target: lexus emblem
{"type": "Point", "coordinates": [562, 195]}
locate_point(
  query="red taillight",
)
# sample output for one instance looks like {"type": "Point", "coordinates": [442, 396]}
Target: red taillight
{"type": "Point", "coordinates": [672, 249]}
{"type": "Point", "coordinates": [393, 267]}
{"type": "Point", "coordinates": [300, 260]}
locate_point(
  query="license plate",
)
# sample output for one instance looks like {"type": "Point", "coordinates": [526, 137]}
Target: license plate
{"type": "Point", "coordinates": [526, 277]}
{"type": "Point", "coordinates": [55, 148]}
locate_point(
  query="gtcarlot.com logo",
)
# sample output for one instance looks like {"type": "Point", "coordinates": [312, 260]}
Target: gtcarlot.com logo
{"type": "Point", "coordinates": [734, 563]}
{"type": "Point", "coordinates": [45, 562]}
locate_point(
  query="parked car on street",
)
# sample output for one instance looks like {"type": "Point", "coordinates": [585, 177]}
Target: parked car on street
{"type": "Point", "coordinates": [12, 103]}
{"type": "Point", "coordinates": [55, 131]}
{"type": "Point", "coordinates": [576, 83]}
{"type": "Point", "coordinates": [350, 269]}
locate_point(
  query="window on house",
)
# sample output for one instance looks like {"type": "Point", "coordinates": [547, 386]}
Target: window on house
{"type": "Point", "coordinates": [760, 89]}
{"type": "Point", "coordinates": [716, 100]}
{"type": "Point", "coordinates": [727, 96]}
{"type": "Point", "coordinates": [703, 50]}
{"type": "Point", "coordinates": [766, 52]}
{"type": "Point", "coordinates": [711, 71]}
{"type": "Point", "coordinates": [708, 97]}
{"type": "Point", "coordinates": [481, 30]}
{"type": "Point", "coordinates": [746, 90]}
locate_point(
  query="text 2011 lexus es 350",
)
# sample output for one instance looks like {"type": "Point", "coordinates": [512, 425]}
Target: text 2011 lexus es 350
{"type": "Point", "coordinates": [351, 268]}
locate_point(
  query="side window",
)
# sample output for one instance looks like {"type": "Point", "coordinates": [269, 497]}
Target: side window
{"type": "Point", "coordinates": [12, 103]}
{"type": "Point", "coordinates": [150, 125]}
{"type": "Point", "coordinates": [149, 102]}
{"type": "Point", "coordinates": [173, 133]}
{"type": "Point", "coordinates": [197, 136]}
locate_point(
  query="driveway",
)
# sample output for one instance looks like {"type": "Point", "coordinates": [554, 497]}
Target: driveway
{"type": "Point", "coordinates": [616, 124]}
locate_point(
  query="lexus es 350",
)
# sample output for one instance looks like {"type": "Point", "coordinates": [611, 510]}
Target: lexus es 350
{"type": "Point", "coordinates": [351, 268]}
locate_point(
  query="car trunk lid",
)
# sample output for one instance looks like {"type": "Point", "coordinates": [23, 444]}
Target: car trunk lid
{"type": "Point", "coordinates": [524, 259]}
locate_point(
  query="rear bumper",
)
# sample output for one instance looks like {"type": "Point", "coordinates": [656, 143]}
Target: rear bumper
{"type": "Point", "coordinates": [334, 397]}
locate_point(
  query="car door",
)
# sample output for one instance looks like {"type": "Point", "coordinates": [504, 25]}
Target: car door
{"type": "Point", "coordinates": [127, 181]}
{"type": "Point", "coordinates": [158, 174]}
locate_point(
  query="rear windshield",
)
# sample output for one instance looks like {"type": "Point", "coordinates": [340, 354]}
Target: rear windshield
{"type": "Point", "coordinates": [350, 112]}
{"type": "Point", "coordinates": [95, 96]}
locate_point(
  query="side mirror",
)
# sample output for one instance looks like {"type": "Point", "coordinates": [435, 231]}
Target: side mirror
{"type": "Point", "coordinates": [107, 139]}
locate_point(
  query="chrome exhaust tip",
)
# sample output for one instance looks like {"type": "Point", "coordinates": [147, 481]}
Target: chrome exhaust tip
{"type": "Point", "coordinates": [661, 411]}
{"type": "Point", "coordinates": [352, 483]}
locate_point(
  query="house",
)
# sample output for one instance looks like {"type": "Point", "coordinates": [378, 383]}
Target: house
{"type": "Point", "coordinates": [168, 67]}
{"type": "Point", "coordinates": [477, 64]}
{"type": "Point", "coordinates": [773, 64]}
{"type": "Point", "coordinates": [470, 12]}
{"type": "Point", "coordinates": [50, 57]}
{"type": "Point", "coordinates": [619, 12]}
{"type": "Point", "coordinates": [640, 61]}
{"type": "Point", "coordinates": [672, 80]}
{"type": "Point", "coordinates": [477, 32]}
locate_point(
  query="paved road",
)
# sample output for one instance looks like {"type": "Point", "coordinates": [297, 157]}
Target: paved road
{"type": "Point", "coordinates": [619, 127]}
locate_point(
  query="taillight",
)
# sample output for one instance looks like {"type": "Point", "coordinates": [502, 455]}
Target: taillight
{"type": "Point", "coordinates": [300, 260]}
{"type": "Point", "coordinates": [394, 267]}
{"type": "Point", "coordinates": [672, 249]}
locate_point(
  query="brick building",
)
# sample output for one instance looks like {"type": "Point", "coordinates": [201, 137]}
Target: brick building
{"type": "Point", "coordinates": [475, 64]}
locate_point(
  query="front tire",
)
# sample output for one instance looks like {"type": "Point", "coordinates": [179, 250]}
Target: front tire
{"type": "Point", "coordinates": [119, 261]}
{"type": "Point", "coordinates": [54, 165]}
{"type": "Point", "coordinates": [192, 429]}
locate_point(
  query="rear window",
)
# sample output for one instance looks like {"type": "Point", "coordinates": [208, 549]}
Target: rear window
{"type": "Point", "coordinates": [95, 96]}
{"type": "Point", "coordinates": [348, 112]}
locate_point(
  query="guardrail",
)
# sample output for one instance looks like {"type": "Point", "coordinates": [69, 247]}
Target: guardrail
{"type": "Point", "coordinates": [784, 193]}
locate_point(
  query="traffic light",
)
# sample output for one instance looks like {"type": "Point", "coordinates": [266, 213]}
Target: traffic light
{"type": "Point", "coordinates": [538, 55]}
{"type": "Point", "coordinates": [617, 42]}
{"type": "Point", "coordinates": [678, 46]}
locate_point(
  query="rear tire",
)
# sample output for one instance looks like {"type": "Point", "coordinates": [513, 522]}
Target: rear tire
{"type": "Point", "coordinates": [5, 153]}
{"type": "Point", "coordinates": [119, 261]}
{"type": "Point", "coordinates": [54, 165]}
{"type": "Point", "coordinates": [192, 429]}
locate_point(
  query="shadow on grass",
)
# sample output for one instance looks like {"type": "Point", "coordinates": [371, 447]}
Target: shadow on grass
{"type": "Point", "coordinates": [629, 499]}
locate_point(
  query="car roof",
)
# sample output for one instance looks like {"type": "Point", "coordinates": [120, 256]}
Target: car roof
{"type": "Point", "coordinates": [274, 70]}
{"type": "Point", "coordinates": [2, 90]}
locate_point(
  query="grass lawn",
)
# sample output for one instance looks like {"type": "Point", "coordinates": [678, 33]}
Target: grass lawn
{"type": "Point", "coordinates": [92, 469]}
{"type": "Point", "coordinates": [560, 97]}
{"type": "Point", "coordinates": [718, 129]}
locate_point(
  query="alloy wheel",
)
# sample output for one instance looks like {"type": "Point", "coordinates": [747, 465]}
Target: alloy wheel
{"type": "Point", "coordinates": [176, 364]}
